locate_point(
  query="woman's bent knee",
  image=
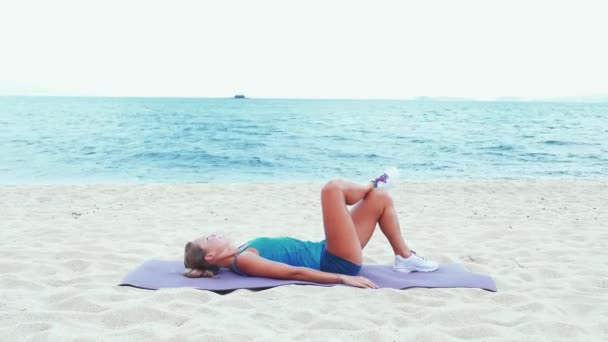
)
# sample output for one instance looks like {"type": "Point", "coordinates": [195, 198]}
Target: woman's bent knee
{"type": "Point", "coordinates": [332, 186]}
{"type": "Point", "coordinates": [380, 196]}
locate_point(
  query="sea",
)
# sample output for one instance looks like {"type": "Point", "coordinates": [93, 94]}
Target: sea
{"type": "Point", "coordinates": [100, 140]}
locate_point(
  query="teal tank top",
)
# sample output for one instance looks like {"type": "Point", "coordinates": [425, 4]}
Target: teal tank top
{"type": "Point", "coordinates": [286, 250]}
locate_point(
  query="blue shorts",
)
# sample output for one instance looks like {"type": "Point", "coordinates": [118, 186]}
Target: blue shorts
{"type": "Point", "coordinates": [335, 264]}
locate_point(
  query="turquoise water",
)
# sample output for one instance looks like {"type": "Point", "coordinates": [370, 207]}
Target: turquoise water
{"type": "Point", "coordinates": [134, 140]}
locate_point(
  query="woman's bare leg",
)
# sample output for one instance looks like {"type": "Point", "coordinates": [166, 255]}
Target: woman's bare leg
{"type": "Point", "coordinates": [341, 234]}
{"type": "Point", "coordinates": [378, 208]}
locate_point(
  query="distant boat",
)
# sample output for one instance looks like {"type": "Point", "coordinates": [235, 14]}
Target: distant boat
{"type": "Point", "coordinates": [239, 96]}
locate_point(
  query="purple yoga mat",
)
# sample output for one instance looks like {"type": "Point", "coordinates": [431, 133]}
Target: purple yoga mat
{"type": "Point", "coordinates": [162, 274]}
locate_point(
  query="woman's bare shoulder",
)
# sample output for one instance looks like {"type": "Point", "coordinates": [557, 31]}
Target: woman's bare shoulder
{"type": "Point", "coordinates": [251, 250]}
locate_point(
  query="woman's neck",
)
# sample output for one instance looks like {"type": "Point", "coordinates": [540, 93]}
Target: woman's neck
{"type": "Point", "coordinates": [226, 257]}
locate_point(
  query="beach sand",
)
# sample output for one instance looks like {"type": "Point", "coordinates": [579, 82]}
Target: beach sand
{"type": "Point", "coordinates": [64, 249]}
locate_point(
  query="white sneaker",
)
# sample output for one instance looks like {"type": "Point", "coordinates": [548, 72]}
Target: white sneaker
{"type": "Point", "coordinates": [387, 179]}
{"type": "Point", "coordinates": [414, 263]}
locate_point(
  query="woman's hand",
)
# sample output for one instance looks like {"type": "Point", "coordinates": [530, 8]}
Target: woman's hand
{"type": "Point", "coordinates": [357, 281]}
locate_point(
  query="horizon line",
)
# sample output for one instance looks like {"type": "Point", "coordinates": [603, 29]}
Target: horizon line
{"type": "Point", "coordinates": [589, 98]}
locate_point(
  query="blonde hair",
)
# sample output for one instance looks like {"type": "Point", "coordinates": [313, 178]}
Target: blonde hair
{"type": "Point", "coordinates": [194, 259]}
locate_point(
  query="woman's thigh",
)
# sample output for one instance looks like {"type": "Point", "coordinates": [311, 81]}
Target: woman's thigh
{"type": "Point", "coordinates": [341, 238]}
{"type": "Point", "coordinates": [365, 215]}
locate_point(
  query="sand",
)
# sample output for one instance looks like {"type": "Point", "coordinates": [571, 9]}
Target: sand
{"type": "Point", "coordinates": [64, 249]}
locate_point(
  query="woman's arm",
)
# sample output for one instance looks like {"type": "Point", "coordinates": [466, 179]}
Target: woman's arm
{"type": "Point", "coordinates": [255, 265]}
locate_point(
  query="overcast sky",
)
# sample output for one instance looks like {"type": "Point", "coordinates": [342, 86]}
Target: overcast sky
{"type": "Point", "coordinates": [304, 49]}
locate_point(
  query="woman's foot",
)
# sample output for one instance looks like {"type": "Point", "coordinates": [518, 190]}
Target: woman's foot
{"type": "Point", "coordinates": [387, 179]}
{"type": "Point", "coordinates": [413, 263]}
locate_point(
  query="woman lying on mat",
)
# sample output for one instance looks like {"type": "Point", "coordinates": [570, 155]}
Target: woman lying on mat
{"type": "Point", "coordinates": [337, 259]}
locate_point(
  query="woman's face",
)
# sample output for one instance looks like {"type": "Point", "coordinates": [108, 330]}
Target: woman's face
{"type": "Point", "coordinates": [214, 243]}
